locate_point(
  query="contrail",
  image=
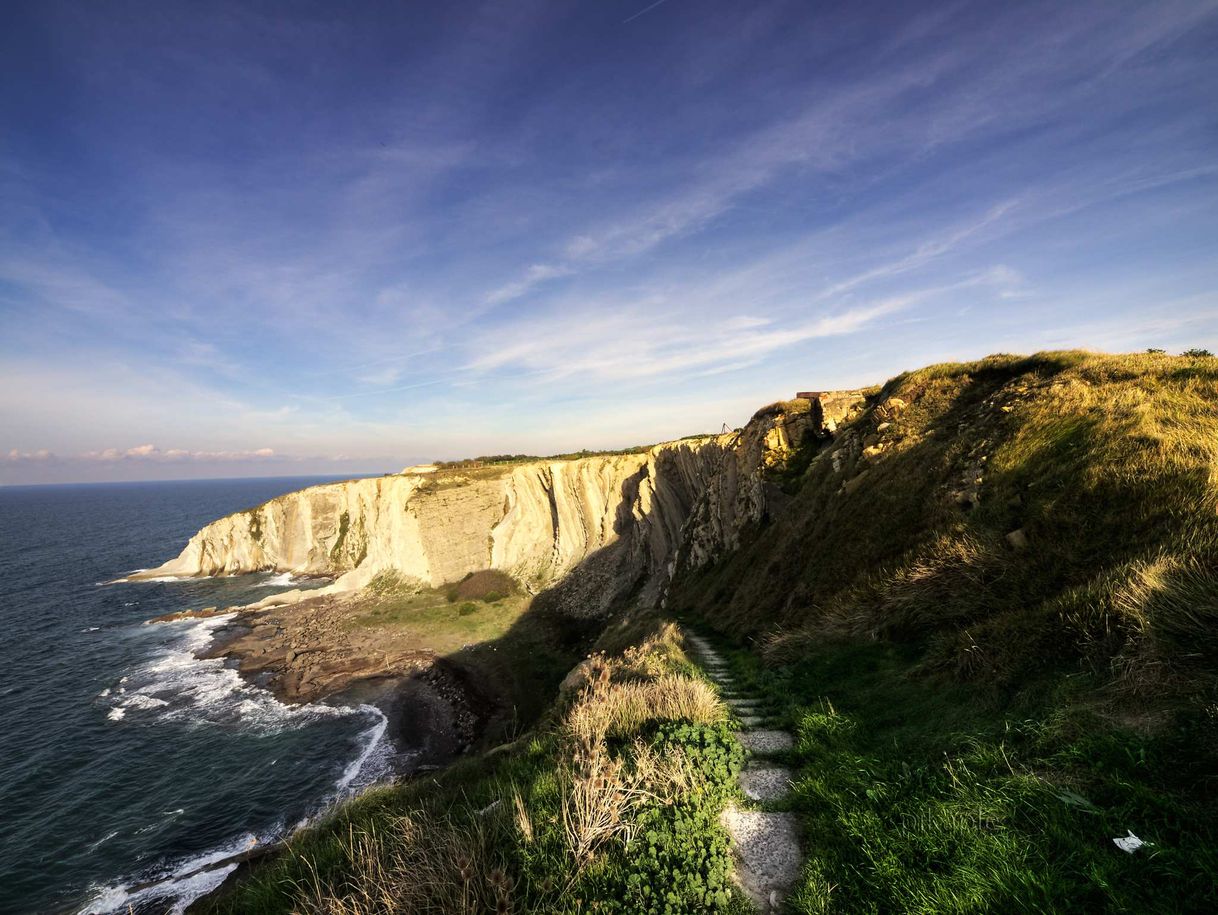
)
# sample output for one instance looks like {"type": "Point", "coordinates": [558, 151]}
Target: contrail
{"type": "Point", "coordinates": [647, 9]}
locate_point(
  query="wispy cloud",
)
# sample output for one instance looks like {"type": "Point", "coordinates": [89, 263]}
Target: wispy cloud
{"type": "Point", "coordinates": [234, 251]}
{"type": "Point", "coordinates": [153, 453]}
{"type": "Point", "coordinates": [532, 277]}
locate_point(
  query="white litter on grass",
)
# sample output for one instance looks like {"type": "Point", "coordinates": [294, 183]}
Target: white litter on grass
{"type": "Point", "coordinates": [1129, 843]}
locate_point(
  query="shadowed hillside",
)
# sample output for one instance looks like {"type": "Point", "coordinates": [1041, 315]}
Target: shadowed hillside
{"type": "Point", "coordinates": [1011, 516]}
{"type": "Point", "coordinates": [990, 614]}
{"type": "Point", "coordinates": [985, 605]}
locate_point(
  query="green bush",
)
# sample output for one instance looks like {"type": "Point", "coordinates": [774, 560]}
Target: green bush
{"type": "Point", "coordinates": [679, 861]}
{"type": "Point", "coordinates": [467, 608]}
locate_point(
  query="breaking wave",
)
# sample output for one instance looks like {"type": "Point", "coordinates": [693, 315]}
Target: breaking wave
{"type": "Point", "coordinates": [175, 685]}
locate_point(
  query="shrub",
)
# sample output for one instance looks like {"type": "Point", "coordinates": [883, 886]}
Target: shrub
{"type": "Point", "coordinates": [467, 608]}
{"type": "Point", "coordinates": [618, 710]}
{"type": "Point", "coordinates": [488, 585]}
{"type": "Point", "coordinates": [678, 861]}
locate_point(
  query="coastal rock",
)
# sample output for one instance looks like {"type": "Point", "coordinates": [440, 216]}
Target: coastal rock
{"type": "Point", "coordinates": [625, 522]}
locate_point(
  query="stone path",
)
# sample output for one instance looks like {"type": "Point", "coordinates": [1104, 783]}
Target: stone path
{"type": "Point", "coordinates": [765, 845]}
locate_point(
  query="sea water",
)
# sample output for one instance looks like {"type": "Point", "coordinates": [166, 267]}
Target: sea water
{"type": "Point", "coordinates": [130, 770]}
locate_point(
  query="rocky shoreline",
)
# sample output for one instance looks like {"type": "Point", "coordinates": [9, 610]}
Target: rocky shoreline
{"type": "Point", "coordinates": [304, 653]}
{"type": "Point", "coordinates": [300, 654]}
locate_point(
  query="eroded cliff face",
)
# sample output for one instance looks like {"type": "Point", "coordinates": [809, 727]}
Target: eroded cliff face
{"type": "Point", "coordinates": [590, 530]}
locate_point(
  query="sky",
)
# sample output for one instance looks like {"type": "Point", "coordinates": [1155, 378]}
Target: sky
{"type": "Point", "coordinates": [265, 238]}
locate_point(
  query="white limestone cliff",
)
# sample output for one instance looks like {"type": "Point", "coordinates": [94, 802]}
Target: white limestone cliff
{"type": "Point", "coordinates": [623, 521]}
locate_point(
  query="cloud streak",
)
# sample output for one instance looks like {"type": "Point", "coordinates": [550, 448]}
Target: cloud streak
{"type": "Point", "coordinates": [514, 225]}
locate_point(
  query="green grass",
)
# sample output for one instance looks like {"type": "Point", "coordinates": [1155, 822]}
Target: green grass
{"type": "Point", "coordinates": [977, 717]}
{"type": "Point", "coordinates": [428, 620]}
{"type": "Point", "coordinates": [923, 794]}
{"type": "Point", "coordinates": [1106, 464]}
{"type": "Point", "coordinates": [594, 812]}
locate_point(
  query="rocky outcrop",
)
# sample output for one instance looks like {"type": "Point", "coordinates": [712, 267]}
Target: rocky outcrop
{"type": "Point", "coordinates": [624, 522]}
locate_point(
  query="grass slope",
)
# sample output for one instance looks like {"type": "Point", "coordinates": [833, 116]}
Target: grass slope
{"type": "Point", "coordinates": [979, 715]}
{"type": "Point", "coordinates": [610, 805]}
{"type": "Point", "coordinates": [990, 616]}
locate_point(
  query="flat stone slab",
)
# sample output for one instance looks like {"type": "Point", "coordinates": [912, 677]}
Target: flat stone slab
{"type": "Point", "coordinates": [766, 849]}
{"type": "Point", "coordinates": [766, 783]}
{"type": "Point", "coordinates": [740, 702]}
{"type": "Point", "coordinates": [751, 721]}
{"type": "Point", "coordinates": [763, 742]}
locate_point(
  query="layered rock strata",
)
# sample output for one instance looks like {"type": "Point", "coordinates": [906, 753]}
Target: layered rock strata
{"type": "Point", "coordinates": [626, 522]}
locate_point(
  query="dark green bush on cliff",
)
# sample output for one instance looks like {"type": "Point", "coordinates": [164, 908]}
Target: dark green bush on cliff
{"type": "Point", "coordinates": [680, 861]}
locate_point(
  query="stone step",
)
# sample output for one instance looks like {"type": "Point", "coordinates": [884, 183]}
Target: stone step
{"type": "Point", "coordinates": [766, 782]}
{"type": "Point", "coordinates": [766, 849]}
{"type": "Point", "coordinates": [738, 702]}
{"type": "Point", "coordinates": [751, 721]}
{"type": "Point", "coordinates": [764, 742]}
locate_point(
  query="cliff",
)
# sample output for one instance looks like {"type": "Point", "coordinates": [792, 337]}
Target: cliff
{"type": "Point", "coordinates": [624, 521]}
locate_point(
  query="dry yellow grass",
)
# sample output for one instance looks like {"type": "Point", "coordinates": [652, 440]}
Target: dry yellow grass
{"type": "Point", "coordinates": [599, 791]}
{"type": "Point", "coordinates": [607, 709]}
{"type": "Point", "coordinates": [1105, 465]}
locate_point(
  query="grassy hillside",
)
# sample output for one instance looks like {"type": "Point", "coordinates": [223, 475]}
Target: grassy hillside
{"type": "Point", "coordinates": [1012, 515]}
{"type": "Point", "coordinates": [991, 614]}
{"type": "Point", "coordinates": [609, 805]}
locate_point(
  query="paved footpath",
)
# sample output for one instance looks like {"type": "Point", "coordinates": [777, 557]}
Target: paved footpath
{"type": "Point", "coordinates": [765, 845]}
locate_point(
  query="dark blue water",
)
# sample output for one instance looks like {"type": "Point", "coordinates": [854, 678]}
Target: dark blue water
{"type": "Point", "coordinates": [124, 759]}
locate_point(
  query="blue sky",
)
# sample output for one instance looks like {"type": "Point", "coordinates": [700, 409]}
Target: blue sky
{"type": "Point", "coordinates": [244, 239]}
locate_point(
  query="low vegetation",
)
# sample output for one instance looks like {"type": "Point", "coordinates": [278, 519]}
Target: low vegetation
{"type": "Point", "coordinates": [991, 615]}
{"type": "Point", "coordinates": [919, 794]}
{"type": "Point", "coordinates": [611, 805]}
{"type": "Point", "coordinates": [488, 585]}
{"type": "Point", "coordinates": [487, 460]}
{"type": "Point", "coordinates": [441, 619]}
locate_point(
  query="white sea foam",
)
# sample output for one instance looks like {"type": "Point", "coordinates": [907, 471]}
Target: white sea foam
{"type": "Point", "coordinates": [119, 581]}
{"type": "Point", "coordinates": [177, 685]}
{"type": "Point", "coordinates": [282, 580]}
{"type": "Point", "coordinates": [91, 629]}
{"type": "Point", "coordinates": [128, 580]}
{"type": "Point", "coordinates": [373, 759]}
{"type": "Point", "coordinates": [103, 840]}
{"type": "Point", "coordinates": [141, 701]}
{"type": "Point", "coordinates": [188, 881]}
{"type": "Point", "coordinates": [195, 877]}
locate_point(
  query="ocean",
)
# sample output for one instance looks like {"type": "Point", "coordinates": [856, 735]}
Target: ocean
{"type": "Point", "coordinates": [128, 766]}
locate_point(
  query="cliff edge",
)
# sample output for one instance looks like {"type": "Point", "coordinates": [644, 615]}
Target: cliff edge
{"type": "Point", "coordinates": [625, 521]}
